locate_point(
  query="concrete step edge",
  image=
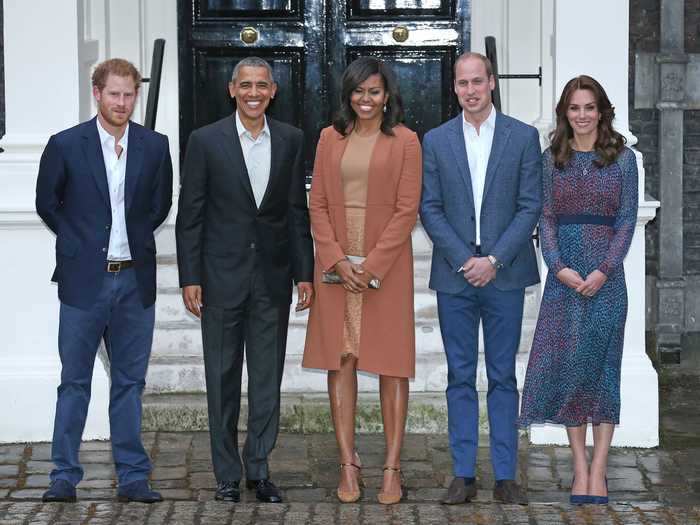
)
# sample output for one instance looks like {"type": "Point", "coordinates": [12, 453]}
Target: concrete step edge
{"type": "Point", "coordinates": [301, 413]}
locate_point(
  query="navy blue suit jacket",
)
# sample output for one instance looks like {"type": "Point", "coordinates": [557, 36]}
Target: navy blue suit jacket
{"type": "Point", "coordinates": [510, 208]}
{"type": "Point", "coordinates": [72, 198]}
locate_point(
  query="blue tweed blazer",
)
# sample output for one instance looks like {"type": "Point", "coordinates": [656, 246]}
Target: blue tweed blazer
{"type": "Point", "coordinates": [510, 208]}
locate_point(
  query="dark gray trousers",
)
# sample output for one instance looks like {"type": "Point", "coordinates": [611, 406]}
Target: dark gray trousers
{"type": "Point", "coordinates": [259, 324]}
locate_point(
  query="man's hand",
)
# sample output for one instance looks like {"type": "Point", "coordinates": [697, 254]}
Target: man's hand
{"type": "Point", "coordinates": [305, 295]}
{"type": "Point", "coordinates": [595, 280]}
{"type": "Point", "coordinates": [479, 271]}
{"type": "Point", "coordinates": [350, 273]}
{"type": "Point", "coordinates": [192, 297]}
{"type": "Point", "coordinates": [570, 278]}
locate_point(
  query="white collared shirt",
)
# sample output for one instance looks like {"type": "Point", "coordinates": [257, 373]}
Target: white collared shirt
{"type": "Point", "coordinates": [257, 153]}
{"type": "Point", "coordinates": [115, 167]}
{"type": "Point", "coordinates": [478, 151]}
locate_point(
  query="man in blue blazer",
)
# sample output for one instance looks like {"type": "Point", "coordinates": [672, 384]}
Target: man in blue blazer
{"type": "Point", "coordinates": [103, 187]}
{"type": "Point", "coordinates": [481, 201]}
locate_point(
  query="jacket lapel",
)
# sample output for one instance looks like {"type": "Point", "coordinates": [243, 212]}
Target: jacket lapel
{"type": "Point", "coordinates": [459, 150]}
{"type": "Point", "coordinates": [93, 153]}
{"type": "Point", "coordinates": [134, 164]}
{"type": "Point", "coordinates": [276, 153]}
{"type": "Point", "coordinates": [500, 138]}
{"type": "Point", "coordinates": [232, 147]}
{"type": "Point", "coordinates": [336, 184]}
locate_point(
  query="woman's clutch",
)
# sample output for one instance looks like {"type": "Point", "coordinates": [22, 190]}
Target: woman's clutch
{"type": "Point", "coordinates": [332, 277]}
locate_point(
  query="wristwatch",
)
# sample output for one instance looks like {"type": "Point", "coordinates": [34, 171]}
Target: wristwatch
{"type": "Point", "coordinates": [495, 262]}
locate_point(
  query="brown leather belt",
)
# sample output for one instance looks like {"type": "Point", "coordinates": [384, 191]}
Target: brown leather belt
{"type": "Point", "coordinates": [118, 266]}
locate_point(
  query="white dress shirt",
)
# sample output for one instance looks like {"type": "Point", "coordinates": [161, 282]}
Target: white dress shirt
{"type": "Point", "coordinates": [115, 168]}
{"type": "Point", "coordinates": [478, 151]}
{"type": "Point", "coordinates": [257, 153]}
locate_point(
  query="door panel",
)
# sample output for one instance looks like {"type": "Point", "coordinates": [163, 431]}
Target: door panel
{"type": "Point", "coordinates": [309, 43]}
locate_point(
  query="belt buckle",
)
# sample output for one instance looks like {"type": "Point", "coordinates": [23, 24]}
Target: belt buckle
{"type": "Point", "coordinates": [114, 267]}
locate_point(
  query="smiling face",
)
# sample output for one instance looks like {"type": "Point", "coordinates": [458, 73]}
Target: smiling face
{"type": "Point", "coordinates": [116, 100]}
{"type": "Point", "coordinates": [368, 98]}
{"type": "Point", "coordinates": [473, 86]}
{"type": "Point", "coordinates": [253, 89]}
{"type": "Point", "coordinates": [582, 113]}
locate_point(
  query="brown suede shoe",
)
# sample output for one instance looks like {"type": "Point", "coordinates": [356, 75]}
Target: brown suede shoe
{"type": "Point", "coordinates": [510, 492]}
{"type": "Point", "coordinates": [460, 492]}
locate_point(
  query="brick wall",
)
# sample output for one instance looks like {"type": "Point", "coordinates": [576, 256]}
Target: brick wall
{"type": "Point", "coordinates": [691, 156]}
{"type": "Point", "coordinates": [644, 36]}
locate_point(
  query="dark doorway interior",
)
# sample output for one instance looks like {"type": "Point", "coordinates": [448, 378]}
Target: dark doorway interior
{"type": "Point", "coordinates": [309, 43]}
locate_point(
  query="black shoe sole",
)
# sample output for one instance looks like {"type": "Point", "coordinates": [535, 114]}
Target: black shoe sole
{"type": "Point", "coordinates": [59, 500]}
{"type": "Point", "coordinates": [229, 499]}
{"type": "Point", "coordinates": [268, 500]}
{"type": "Point", "coordinates": [126, 499]}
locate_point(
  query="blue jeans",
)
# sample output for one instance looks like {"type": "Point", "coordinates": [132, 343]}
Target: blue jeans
{"type": "Point", "coordinates": [501, 313]}
{"type": "Point", "coordinates": [117, 315]}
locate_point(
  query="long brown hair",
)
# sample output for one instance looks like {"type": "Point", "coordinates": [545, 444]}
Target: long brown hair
{"type": "Point", "coordinates": [609, 143]}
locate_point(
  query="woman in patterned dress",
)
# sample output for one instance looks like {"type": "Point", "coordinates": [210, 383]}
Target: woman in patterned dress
{"type": "Point", "coordinates": [588, 219]}
{"type": "Point", "coordinates": [364, 202]}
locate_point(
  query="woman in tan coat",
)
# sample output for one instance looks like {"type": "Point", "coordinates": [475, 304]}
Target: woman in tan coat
{"type": "Point", "coordinates": [364, 202]}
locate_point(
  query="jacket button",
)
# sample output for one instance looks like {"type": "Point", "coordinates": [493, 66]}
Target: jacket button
{"type": "Point", "coordinates": [472, 243]}
{"type": "Point", "coordinates": [252, 245]}
{"type": "Point", "coordinates": [472, 218]}
{"type": "Point", "coordinates": [107, 227]}
{"type": "Point", "coordinates": [104, 250]}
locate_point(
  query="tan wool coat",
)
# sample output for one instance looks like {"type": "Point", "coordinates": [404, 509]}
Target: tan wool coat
{"type": "Point", "coordinates": [387, 337]}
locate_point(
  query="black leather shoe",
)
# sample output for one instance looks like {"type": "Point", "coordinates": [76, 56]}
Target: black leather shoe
{"type": "Point", "coordinates": [59, 491]}
{"type": "Point", "coordinates": [138, 491]}
{"type": "Point", "coordinates": [228, 491]}
{"type": "Point", "coordinates": [265, 490]}
{"type": "Point", "coordinates": [460, 492]}
{"type": "Point", "coordinates": [508, 491]}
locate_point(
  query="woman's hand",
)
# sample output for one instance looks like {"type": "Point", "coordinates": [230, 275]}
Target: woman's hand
{"type": "Point", "coordinates": [594, 282]}
{"type": "Point", "coordinates": [365, 276]}
{"type": "Point", "coordinates": [570, 278]}
{"type": "Point", "coordinates": [351, 276]}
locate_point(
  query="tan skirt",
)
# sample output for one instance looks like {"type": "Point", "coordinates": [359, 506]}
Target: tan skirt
{"type": "Point", "coordinates": [355, 224]}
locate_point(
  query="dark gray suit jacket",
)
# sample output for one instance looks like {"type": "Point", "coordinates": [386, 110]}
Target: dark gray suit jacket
{"type": "Point", "coordinates": [219, 228]}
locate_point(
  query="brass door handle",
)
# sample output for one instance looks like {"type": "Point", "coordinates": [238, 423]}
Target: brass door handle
{"type": "Point", "coordinates": [400, 33]}
{"type": "Point", "coordinates": [249, 35]}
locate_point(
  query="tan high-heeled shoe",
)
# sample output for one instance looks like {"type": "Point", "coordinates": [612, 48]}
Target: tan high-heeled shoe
{"type": "Point", "coordinates": [387, 498]}
{"type": "Point", "coordinates": [351, 496]}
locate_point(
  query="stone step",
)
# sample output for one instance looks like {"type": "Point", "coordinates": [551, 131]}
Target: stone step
{"type": "Point", "coordinates": [170, 374]}
{"type": "Point", "coordinates": [302, 413]}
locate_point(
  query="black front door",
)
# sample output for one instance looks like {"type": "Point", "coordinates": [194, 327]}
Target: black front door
{"type": "Point", "coordinates": [309, 43]}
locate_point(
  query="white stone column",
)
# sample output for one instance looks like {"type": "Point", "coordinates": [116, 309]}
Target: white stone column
{"type": "Point", "coordinates": [604, 56]}
{"type": "Point", "coordinates": [41, 98]}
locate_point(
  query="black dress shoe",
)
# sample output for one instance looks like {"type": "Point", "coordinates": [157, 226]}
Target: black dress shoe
{"type": "Point", "coordinates": [460, 492]}
{"type": "Point", "coordinates": [59, 491]}
{"type": "Point", "coordinates": [508, 491]}
{"type": "Point", "coordinates": [265, 490]}
{"type": "Point", "coordinates": [138, 491]}
{"type": "Point", "coordinates": [228, 491]}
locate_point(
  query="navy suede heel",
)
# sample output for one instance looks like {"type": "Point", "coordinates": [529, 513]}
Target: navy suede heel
{"type": "Point", "coordinates": [599, 500]}
{"type": "Point", "coordinates": [578, 499]}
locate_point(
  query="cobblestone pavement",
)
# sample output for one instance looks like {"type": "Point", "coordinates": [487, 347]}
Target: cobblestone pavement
{"type": "Point", "coordinates": [646, 486]}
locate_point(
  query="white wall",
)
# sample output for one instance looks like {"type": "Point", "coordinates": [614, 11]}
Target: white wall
{"type": "Point", "coordinates": [48, 63]}
{"type": "Point", "coordinates": [41, 98]}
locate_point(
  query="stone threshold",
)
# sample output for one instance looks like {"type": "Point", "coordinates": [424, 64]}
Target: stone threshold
{"type": "Point", "coordinates": [301, 413]}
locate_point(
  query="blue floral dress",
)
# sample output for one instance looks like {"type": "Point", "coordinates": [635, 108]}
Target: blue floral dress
{"type": "Point", "coordinates": [588, 220]}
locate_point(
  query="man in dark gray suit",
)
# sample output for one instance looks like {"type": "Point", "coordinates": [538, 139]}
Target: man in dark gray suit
{"type": "Point", "coordinates": [243, 236]}
{"type": "Point", "coordinates": [481, 201]}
